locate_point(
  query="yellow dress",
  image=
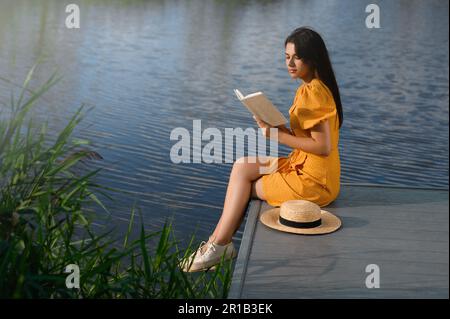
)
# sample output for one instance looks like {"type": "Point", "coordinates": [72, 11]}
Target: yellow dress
{"type": "Point", "coordinates": [304, 175]}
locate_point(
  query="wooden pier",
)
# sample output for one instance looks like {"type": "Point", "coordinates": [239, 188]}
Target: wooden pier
{"type": "Point", "coordinates": [403, 231]}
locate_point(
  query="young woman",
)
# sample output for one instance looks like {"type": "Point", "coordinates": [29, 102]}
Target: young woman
{"type": "Point", "coordinates": [310, 172]}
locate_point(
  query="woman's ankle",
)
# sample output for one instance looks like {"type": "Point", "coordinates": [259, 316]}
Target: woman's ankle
{"type": "Point", "coordinates": [221, 242]}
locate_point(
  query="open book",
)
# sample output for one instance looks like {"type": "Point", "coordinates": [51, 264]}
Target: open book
{"type": "Point", "coordinates": [258, 104]}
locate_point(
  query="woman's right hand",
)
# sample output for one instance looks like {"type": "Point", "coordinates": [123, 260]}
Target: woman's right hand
{"type": "Point", "coordinates": [284, 129]}
{"type": "Point", "coordinates": [263, 125]}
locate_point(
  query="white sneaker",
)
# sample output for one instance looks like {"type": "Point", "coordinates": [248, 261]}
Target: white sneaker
{"type": "Point", "coordinates": [208, 255]}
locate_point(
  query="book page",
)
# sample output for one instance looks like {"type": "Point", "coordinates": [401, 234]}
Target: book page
{"type": "Point", "coordinates": [258, 104]}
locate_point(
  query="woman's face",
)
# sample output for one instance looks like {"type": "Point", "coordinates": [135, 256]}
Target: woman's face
{"type": "Point", "coordinates": [296, 67]}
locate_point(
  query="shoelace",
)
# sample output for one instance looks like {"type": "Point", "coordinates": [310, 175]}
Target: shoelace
{"type": "Point", "coordinates": [211, 247]}
{"type": "Point", "coordinates": [201, 254]}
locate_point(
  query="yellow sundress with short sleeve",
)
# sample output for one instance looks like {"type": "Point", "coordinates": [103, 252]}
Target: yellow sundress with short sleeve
{"type": "Point", "coordinates": [304, 175]}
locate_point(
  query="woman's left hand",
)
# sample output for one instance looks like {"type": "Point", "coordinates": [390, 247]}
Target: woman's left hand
{"type": "Point", "coordinates": [264, 126]}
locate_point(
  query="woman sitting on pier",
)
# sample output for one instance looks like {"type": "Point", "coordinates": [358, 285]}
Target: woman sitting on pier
{"type": "Point", "coordinates": [310, 172]}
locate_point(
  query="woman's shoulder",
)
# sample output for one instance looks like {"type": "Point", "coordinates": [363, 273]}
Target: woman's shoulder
{"type": "Point", "coordinates": [315, 92]}
{"type": "Point", "coordinates": [313, 104]}
{"type": "Point", "coordinates": [315, 86]}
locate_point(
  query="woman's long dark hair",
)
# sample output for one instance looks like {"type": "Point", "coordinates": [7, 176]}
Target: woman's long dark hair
{"type": "Point", "coordinates": [310, 47]}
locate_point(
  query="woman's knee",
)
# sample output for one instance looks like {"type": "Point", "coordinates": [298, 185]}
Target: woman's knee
{"type": "Point", "coordinates": [242, 164]}
{"type": "Point", "coordinates": [246, 167]}
{"type": "Point", "coordinates": [246, 160]}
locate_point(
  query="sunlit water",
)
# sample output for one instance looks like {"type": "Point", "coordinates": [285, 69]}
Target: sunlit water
{"type": "Point", "coordinates": [151, 66]}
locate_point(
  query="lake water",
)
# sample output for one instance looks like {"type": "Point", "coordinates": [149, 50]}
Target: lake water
{"type": "Point", "coordinates": [151, 66]}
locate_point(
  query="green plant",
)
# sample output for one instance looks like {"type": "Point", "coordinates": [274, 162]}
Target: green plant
{"type": "Point", "coordinates": [44, 224]}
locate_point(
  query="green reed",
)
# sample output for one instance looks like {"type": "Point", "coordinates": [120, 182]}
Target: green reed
{"type": "Point", "coordinates": [44, 224]}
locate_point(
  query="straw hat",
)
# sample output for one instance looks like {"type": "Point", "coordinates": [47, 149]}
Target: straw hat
{"type": "Point", "coordinates": [301, 217]}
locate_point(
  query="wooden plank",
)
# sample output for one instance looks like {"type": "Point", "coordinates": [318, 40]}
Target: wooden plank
{"type": "Point", "coordinates": [404, 231]}
{"type": "Point", "coordinates": [241, 265]}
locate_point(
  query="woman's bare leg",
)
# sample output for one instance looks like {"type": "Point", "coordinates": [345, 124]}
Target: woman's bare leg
{"type": "Point", "coordinates": [243, 174]}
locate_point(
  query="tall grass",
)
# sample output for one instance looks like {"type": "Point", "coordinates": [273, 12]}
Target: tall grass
{"type": "Point", "coordinates": [44, 225]}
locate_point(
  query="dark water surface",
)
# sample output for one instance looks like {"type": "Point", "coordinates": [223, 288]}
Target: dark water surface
{"type": "Point", "coordinates": [151, 66]}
